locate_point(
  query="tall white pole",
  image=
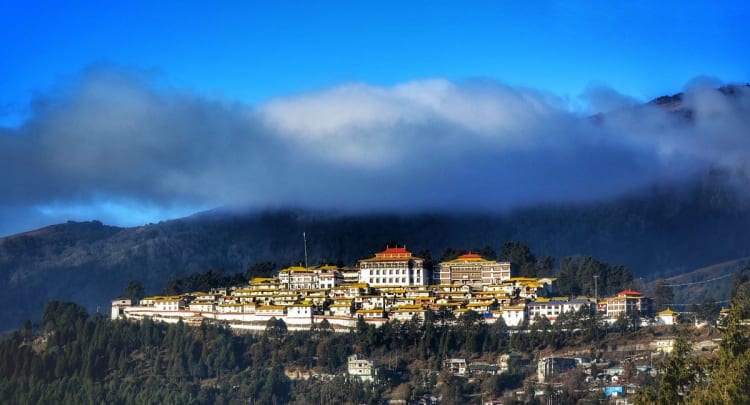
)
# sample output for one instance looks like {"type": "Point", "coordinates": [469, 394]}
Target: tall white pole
{"type": "Point", "coordinates": [596, 312]}
{"type": "Point", "coordinates": [304, 239]}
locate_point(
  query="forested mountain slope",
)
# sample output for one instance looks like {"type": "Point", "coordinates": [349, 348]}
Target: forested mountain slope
{"type": "Point", "coordinates": [656, 233]}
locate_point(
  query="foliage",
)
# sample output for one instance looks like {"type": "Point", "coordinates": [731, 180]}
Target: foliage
{"type": "Point", "coordinates": [720, 380]}
{"type": "Point", "coordinates": [662, 295]}
{"type": "Point", "coordinates": [77, 358]}
{"type": "Point", "coordinates": [260, 269]}
{"type": "Point", "coordinates": [202, 281]}
{"type": "Point", "coordinates": [680, 374]}
{"type": "Point", "coordinates": [576, 277]}
{"type": "Point", "coordinates": [523, 261]}
{"type": "Point", "coordinates": [133, 291]}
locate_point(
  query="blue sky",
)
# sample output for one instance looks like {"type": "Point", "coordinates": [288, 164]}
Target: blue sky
{"type": "Point", "coordinates": [253, 51]}
{"type": "Point", "coordinates": [280, 61]}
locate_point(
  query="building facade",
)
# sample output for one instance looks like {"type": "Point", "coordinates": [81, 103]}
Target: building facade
{"type": "Point", "coordinates": [473, 269]}
{"type": "Point", "coordinates": [626, 303]}
{"type": "Point", "coordinates": [393, 267]}
{"type": "Point", "coordinates": [361, 368]}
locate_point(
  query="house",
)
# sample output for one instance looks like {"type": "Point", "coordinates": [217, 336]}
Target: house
{"type": "Point", "coordinates": [551, 309]}
{"type": "Point", "coordinates": [174, 303]}
{"type": "Point", "coordinates": [506, 361]}
{"type": "Point", "coordinates": [407, 312]}
{"type": "Point", "coordinates": [456, 366]}
{"type": "Point", "coordinates": [627, 302]}
{"type": "Point", "coordinates": [299, 314]}
{"type": "Point", "coordinates": [484, 369]}
{"type": "Point", "coordinates": [514, 315]}
{"type": "Point", "coordinates": [350, 275]}
{"type": "Point", "coordinates": [118, 307]}
{"type": "Point", "coordinates": [663, 345]}
{"type": "Point", "coordinates": [361, 368]}
{"type": "Point", "coordinates": [341, 308]}
{"type": "Point", "coordinates": [371, 313]}
{"type": "Point", "coordinates": [550, 366]}
{"type": "Point", "coordinates": [202, 306]}
{"type": "Point", "coordinates": [298, 277]}
{"type": "Point", "coordinates": [329, 277]}
{"type": "Point", "coordinates": [667, 317]}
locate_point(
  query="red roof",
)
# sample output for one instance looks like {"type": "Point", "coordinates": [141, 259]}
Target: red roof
{"type": "Point", "coordinates": [470, 256]}
{"type": "Point", "coordinates": [391, 250]}
{"type": "Point", "coordinates": [392, 253]}
{"type": "Point", "coordinates": [629, 292]}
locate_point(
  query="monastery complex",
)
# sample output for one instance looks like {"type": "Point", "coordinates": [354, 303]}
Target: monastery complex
{"type": "Point", "coordinates": [391, 285]}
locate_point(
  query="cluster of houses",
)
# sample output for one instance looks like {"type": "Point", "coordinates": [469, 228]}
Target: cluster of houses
{"type": "Point", "coordinates": [393, 284]}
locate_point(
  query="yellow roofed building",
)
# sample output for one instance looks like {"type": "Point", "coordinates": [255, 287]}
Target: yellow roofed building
{"type": "Point", "coordinates": [473, 269]}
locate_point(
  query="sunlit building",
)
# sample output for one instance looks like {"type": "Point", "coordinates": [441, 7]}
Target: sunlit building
{"type": "Point", "coordinates": [395, 266]}
{"type": "Point", "coordinates": [473, 269]}
{"type": "Point", "coordinates": [626, 303]}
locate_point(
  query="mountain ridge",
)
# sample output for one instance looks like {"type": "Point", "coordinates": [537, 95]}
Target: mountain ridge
{"type": "Point", "coordinates": [658, 233]}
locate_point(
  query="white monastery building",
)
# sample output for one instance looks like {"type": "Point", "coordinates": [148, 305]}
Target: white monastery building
{"type": "Point", "coordinates": [395, 266]}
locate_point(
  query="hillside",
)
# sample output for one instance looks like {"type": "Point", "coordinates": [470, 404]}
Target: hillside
{"type": "Point", "coordinates": [659, 233]}
{"type": "Point", "coordinates": [713, 282]}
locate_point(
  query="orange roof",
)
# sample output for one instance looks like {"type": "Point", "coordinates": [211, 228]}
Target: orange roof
{"type": "Point", "coordinates": [470, 257]}
{"type": "Point", "coordinates": [629, 292]}
{"type": "Point", "coordinates": [392, 254]}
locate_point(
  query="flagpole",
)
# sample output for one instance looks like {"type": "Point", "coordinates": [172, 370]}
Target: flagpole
{"type": "Point", "coordinates": [304, 239]}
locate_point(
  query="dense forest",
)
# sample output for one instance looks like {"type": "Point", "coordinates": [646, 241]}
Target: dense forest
{"type": "Point", "coordinates": [75, 358]}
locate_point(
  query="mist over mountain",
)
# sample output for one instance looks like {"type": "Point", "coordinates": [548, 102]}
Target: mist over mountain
{"type": "Point", "coordinates": [116, 144]}
{"type": "Point", "coordinates": [658, 232]}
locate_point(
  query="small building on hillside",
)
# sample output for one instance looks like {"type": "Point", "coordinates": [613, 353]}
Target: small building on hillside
{"type": "Point", "coordinates": [118, 307]}
{"type": "Point", "coordinates": [456, 366]}
{"type": "Point", "coordinates": [550, 366]}
{"type": "Point", "coordinates": [515, 315]}
{"type": "Point", "coordinates": [667, 317]}
{"type": "Point", "coordinates": [361, 368]}
{"type": "Point", "coordinates": [663, 345]}
{"type": "Point", "coordinates": [298, 278]}
{"type": "Point", "coordinates": [627, 302]}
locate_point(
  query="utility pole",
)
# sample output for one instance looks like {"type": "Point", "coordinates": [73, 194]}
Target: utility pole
{"type": "Point", "coordinates": [304, 240]}
{"type": "Point", "coordinates": [596, 313]}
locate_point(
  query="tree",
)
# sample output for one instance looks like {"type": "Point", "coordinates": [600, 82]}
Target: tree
{"type": "Point", "coordinates": [730, 375]}
{"type": "Point", "coordinates": [679, 374]}
{"type": "Point", "coordinates": [260, 269]}
{"type": "Point", "coordinates": [708, 310]}
{"type": "Point", "coordinates": [275, 328]}
{"type": "Point", "coordinates": [741, 277]}
{"type": "Point", "coordinates": [520, 256]}
{"type": "Point", "coordinates": [134, 291]}
{"type": "Point", "coordinates": [662, 295]}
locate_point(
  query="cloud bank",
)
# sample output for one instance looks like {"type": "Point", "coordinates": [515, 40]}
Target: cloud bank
{"type": "Point", "coordinates": [117, 143]}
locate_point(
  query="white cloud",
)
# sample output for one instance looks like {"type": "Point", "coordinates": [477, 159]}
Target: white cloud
{"type": "Point", "coordinates": [430, 144]}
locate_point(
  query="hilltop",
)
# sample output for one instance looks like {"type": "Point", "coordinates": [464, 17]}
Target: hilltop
{"type": "Point", "coordinates": [658, 233]}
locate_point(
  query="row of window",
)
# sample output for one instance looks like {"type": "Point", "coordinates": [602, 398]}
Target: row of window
{"type": "Point", "coordinates": [389, 280]}
{"type": "Point", "coordinates": [381, 265]}
{"type": "Point", "coordinates": [390, 272]}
